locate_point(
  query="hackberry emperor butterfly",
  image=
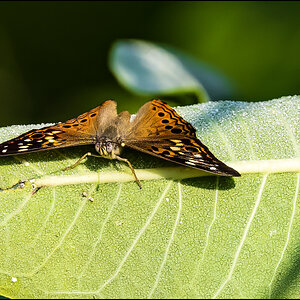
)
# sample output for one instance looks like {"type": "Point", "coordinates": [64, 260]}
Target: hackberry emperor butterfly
{"type": "Point", "coordinates": [157, 130]}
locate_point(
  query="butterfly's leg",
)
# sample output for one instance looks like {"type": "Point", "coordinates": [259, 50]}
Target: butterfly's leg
{"type": "Point", "coordinates": [132, 169]}
{"type": "Point", "coordinates": [79, 160]}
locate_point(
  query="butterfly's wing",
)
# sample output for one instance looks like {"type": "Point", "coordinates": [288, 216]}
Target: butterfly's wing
{"type": "Point", "coordinates": [78, 131]}
{"type": "Point", "coordinates": [158, 130]}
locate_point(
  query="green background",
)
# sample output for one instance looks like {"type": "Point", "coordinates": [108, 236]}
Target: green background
{"type": "Point", "coordinates": [53, 55]}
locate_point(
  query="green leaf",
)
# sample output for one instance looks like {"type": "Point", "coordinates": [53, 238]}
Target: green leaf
{"type": "Point", "coordinates": [149, 69]}
{"type": "Point", "coordinates": [204, 237]}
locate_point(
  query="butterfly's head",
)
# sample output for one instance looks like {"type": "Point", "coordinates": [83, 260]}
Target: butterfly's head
{"type": "Point", "coordinates": [108, 148]}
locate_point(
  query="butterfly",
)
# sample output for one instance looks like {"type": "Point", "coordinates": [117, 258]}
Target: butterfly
{"type": "Point", "coordinates": [157, 130]}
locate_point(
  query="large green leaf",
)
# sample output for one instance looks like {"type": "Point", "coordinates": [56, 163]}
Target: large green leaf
{"type": "Point", "coordinates": [211, 237]}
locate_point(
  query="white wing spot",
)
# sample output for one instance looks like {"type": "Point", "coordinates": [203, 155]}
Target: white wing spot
{"type": "Point", "coordinates": [194, 161]}
{"type": "Point", "coordinates": [4, 150]}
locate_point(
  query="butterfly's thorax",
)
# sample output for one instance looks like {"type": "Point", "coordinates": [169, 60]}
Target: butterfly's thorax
{"type": "Point", "coordinates": [109, 148]}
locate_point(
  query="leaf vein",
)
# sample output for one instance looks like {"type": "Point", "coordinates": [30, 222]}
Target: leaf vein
{"type": "Point", "coordinates": [288, 236]}
{"type": "Point", "coordinates": [243, 238]}
{"type": "Point", "coordinates": [169, 244]}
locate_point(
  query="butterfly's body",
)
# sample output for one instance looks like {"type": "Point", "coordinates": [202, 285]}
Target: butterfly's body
{"type": "Point", "coordinates": [109, 148]}
{"type": "Point", "coordinates": [156, 129]}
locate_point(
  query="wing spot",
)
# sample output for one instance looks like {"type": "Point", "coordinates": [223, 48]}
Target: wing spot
{"type": "Point", "coordinates": [93, 115]}
{"type": "Point", "coordinates": [190, 163]}
{"type": "Point", "coordinates": [20, 144]}
{"type": "Point", "coordinates": [23, 147]}
{"type": "Point", "coordinates": [20, 150]}
{"type": "Point", "coordinates": [193, 149]}
{"type": "Point", "coordinates": [213, 168]}
{"type": "Point", "coordinates": [75, 125]}
{"type": "Point", "coordinates": [4, 150]}
{"type": "Point", "coordinates": [169, 127]}
{"type": "Point", "coordinates": [197, 155]}
{"type": "Point", "coordinates": [37, 135]}
{"type": "Point", "coordinates": [193, 160]}
{"type": "Point", "coordinates": [165, 121]}
{"type": "Point", "coordinates": [166, 153]}
{"type": "Point", "coordinates": [176, 130]}
{"type": "Point", "coordinates": [154, 148]}
{"type": "Point", "coordinates": [67, 126]}
{"type": "Point", "coordinates": [83, 121]}
{"type": "Point", "coordinates": [161, 114]}
{"type": "Point", "coordinates": [187, 141]}
{"type": "Point", "coordinates": [175, 148]}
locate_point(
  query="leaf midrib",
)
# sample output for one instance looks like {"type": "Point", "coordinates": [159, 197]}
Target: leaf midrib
{"type": "Point", "coordinates": [174, 173]}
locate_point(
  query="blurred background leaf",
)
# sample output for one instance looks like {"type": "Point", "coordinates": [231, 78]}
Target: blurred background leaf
{"type": "Point", "coordinates": [53, 55]}
{"type": "Point", "coordinates": [158, 70]}
{"type": "Point", "coordinates": [148, 69]}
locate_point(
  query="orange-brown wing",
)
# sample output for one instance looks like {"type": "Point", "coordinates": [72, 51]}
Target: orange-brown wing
{"type": "Point", "coordinates": [78, 131]}
{"type": "Point", "coordinates": [158, 130]}
{"type": "Point", "coordinates": [156, 119]}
